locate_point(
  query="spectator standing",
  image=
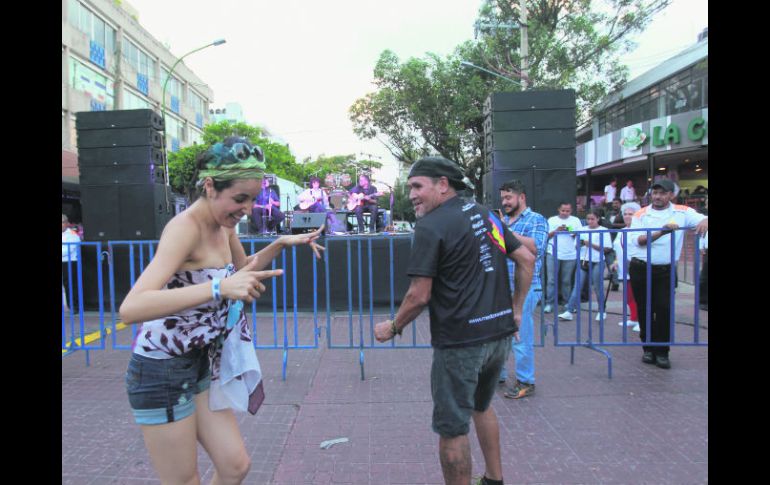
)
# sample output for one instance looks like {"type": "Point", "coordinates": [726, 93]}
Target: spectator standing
{"type": "Point", "coordinates": [628, 209]}
{"type": "Point", "coordinates": [560, 227]}
{"type": "Point", "coordinates": [69, 264]}
{"type": "Point", "coordinates": [613, 220]}
{"type": "Point", "coordinates": [531, 229]}
{"type": "Point", "coordinates": [592, 253]}
{"type": "Point", "coordinates": [610, 191]}
{"type": "Point", "coordinates": [628, 193]}
{"type": "Point", "coordinates": [704, 273]}
{"type": "Point", "coordinates": [661, 213]}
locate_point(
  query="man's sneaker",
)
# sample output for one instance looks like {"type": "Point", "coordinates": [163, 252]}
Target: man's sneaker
{"type": "Point", "coordinates": [662, 361]}
{"type": "Point", "coordinates": [636, 328]}
{"type": "Point", "coordinates": [520, 390]}
{"type": "Point", "coordinates": [599, 316]}
{"type": "Point", "coordinates": [547, 309]}
{"type": "Point", "coordinates": [648, 358]}
{"type": "Point", "coordinates": [628, 323]}
{"type": "Point", "coordinates": [566, 315]}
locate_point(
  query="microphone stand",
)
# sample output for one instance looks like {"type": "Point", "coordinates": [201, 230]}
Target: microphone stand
{"type": "Point", "coordinates": [391, 225]}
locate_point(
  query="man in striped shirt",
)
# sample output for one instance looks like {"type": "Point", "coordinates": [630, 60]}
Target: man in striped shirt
{"type": "Point", "coordinates": [531, 229]}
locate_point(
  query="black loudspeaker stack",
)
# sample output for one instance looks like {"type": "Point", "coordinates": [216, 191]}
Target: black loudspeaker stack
{"type": "Point", "coordinates": [530, 136]}
{"type": "Point", "coordinates": [122, 179]}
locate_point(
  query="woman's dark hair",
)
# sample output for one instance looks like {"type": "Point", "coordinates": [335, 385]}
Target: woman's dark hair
{"type": "Point", "coordinates": [315, 179]}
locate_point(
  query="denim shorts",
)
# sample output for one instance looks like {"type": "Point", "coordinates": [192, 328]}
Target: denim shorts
{"type": "Point", "coordinates": [163, 390]}
{"type": "Point", "coordinates": [463, 380]}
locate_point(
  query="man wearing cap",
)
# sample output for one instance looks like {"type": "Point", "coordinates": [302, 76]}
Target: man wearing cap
{"type": "Point", "coordinates": [458, 269]}
{"type": "Point", "coordinates": [661, 213]}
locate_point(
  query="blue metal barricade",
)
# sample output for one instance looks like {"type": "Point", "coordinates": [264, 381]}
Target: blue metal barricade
{"type": "Point", "coordinates": [126, 260]}
{"type": "Point", "coordinates": [356, 247]}
{"type": "Point", "coordinates": [351, 278]}
{"type": "Point", "coordinates": [606, 337]}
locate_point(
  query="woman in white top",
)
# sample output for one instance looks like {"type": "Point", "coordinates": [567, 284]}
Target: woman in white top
{"type": "Point", "coordinates": [628, 210]}
{"type": "Point", "coordinates": [594, 246]}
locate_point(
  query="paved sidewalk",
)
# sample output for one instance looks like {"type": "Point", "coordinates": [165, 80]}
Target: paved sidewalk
{"type": "Point", "coordinates": [645, 425]}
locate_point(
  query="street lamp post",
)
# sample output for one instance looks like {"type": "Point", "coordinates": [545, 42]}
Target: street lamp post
{"type": "Point", "coordinates": [163, 106]}
{"type": "Point", "coordinates": [468, 64]}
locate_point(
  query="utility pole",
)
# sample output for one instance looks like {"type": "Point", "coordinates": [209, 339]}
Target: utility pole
{"type": "Point", "coordinates": [524, 47]}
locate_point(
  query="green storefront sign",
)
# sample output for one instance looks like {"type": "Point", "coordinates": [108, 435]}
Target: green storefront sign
{"type": "Point", "coordinates": [696, 130]}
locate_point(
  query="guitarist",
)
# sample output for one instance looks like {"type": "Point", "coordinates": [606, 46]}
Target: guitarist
{"type": "Point", "coordinates": [366, 196]}
{"type": "Point", "coordinates": [315, 199]}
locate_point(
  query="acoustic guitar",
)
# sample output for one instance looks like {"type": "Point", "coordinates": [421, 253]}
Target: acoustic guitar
{"type": "Point", "coordinates": [355, 200]}
{"type": "Point", "coordinates": [305, 203]}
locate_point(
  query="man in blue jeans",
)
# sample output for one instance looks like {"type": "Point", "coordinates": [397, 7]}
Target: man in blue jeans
{"type": "Point", "coordinates": [561, 235]}
{"type": "Point", "coordinates": [531, 229]}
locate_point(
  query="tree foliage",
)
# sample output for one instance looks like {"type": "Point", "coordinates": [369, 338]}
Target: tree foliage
{"type": "Point", "coordinates": [434, 105]}
{"type": "Point", "coordinates": [338, 164]}
{"type": "Point", "coordinates": [278, 158]}
{"type": "Point", "coordinates": [574, 44]}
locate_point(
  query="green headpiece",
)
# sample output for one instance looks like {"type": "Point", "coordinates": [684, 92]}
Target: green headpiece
{"type": "Point", "coordinates": [236, 158]}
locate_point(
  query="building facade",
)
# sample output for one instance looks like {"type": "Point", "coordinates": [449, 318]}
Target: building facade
{"type": "Point", "coordinates": [656, 127]}
{"type": "Point", "coordinates": [109, 61]}
{"type": "Point", "coordinates": [232, 112]}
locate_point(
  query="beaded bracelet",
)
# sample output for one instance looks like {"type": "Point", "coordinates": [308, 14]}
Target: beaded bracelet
{"type": "Point", "coordinates": [215, 289]}
{"type": "Point", "coordinates": [393, 328]}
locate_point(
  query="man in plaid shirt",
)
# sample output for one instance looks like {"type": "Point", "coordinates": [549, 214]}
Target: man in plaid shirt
{"type": "Point", "coordinates": [531, 229]}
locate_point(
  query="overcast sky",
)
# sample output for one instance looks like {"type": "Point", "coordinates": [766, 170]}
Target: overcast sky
{"type": "Point", "coordinates": [296, 66]}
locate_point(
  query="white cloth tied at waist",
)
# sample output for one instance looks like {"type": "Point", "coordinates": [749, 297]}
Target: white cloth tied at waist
{"type": "Point", "coordinates": [239, 370]}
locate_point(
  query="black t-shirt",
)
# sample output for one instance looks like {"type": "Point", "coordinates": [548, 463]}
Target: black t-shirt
{"type": "Point", "coordinates": [463, 247]}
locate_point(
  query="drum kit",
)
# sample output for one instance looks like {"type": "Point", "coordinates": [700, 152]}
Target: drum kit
{"type": "Point", "coordinates": [336, 184]}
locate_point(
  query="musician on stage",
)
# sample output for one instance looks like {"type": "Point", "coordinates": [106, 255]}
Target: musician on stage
{"type": "Point", "coordinates": [315, 199]}
{"type": "Point", "coordinates": [364, 196]}
{"type": "Point", "coordinates": [266, 212]}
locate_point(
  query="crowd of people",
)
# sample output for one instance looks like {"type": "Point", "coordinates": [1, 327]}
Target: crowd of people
{"type": "Point", "coordinates": [478, 271]}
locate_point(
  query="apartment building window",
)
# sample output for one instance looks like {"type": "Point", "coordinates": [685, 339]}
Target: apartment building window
{"type": "Point", "coordinates": [174, 87]}
{"type": "Point", "coordinates": [198, 106]}
{"type": "Point", "coordinates": [196, 137]}
{"type": "Point", "coordinates": [687, 90]}
{"type": "Point", "coordinates": [92, 25]}
{"type": "Point", "coordinates": [174, 131]}
{"type": "Point", "coordinates": [98, 86]}
{"type": "Point", "coordinates": [197, 103]}
{"type": "Point", "coordinates": [174, 90]}
{"type": "Point", "coordinates": [134, 101]}
{"type": "Point", "coordinates": [138, 59]}
{"type": "Point", "coordinates": [64, 133]}
{"type": "Point", "coordinates": [642, 106]}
